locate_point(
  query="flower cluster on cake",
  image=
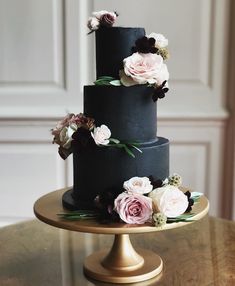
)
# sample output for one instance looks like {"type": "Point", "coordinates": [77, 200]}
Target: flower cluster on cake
{"type": "Point", "coordinates": [121, 168]}
{"type": "Point", "coordinates": [145, 65]}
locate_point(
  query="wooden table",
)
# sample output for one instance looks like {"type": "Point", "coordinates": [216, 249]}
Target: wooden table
{"type": "Point", "coordinates": [33, 253]}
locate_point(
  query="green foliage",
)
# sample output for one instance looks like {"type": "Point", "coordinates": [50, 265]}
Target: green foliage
{"type": "Point", "coordinates": [107, 80]}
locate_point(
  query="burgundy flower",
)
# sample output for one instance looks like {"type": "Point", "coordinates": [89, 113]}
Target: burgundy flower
{"type": "Point", "coordinates": [82, 121]}
{"type": "Point", "coordinates": [104, 202]}
{"type": "Point", "coordinates": [145, 45]}
{"type": "Point", "coordinates": [190, 201]}
{"type": "Point", "coordinates": [82, 139]}
{"type": "Point", "coordinates": [108, 19]}
{"type": "Point", "coordinates": [156, 183]}
{"type": "Point", "coordinates": [160, 91]}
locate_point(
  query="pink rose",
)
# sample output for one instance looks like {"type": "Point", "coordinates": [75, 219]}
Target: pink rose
{"type": "Point", "coordinates": [138, 185]}
{"type": "Point", "coordinates": [133, 208]}
{"type": "Point", "coordinates": [169, 200]}
{"type": "Point", "coordinates": [144, 68]}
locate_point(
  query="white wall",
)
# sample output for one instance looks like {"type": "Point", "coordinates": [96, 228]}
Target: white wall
{"type": "Point", "coordinates": [46, 58]}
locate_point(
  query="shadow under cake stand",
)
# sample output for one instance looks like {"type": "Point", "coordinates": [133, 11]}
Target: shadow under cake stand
{"type": "Point", "coordinates": [121, 264]}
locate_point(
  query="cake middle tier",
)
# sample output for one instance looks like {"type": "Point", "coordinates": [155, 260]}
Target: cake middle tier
{"type": "Point", "coordinates": [129, 112]}
{"type": "Point", "coordinates": [105, 169]}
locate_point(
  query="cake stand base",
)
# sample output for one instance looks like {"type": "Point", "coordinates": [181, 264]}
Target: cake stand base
{"type": "Point", "coordinates": [123, 264]}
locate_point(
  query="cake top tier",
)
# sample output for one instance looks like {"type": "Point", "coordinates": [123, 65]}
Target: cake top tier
{"type": "Point", "coordinates": [127, 56]}
{"type": "Point", "coordinates": [113, 44]}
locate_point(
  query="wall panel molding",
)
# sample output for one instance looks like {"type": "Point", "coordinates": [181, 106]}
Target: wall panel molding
{"type": "Point", "coordinates": [49, 77]}
{"type": "Point", "coordinates": [10, 84]}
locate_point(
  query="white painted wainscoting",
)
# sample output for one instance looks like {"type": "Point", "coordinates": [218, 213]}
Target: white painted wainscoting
{"type": "Point", "coordinates": [46, 58]}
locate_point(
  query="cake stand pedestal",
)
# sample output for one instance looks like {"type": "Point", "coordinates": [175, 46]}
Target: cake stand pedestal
{"type": "Point", "coordinates": [121, 264]}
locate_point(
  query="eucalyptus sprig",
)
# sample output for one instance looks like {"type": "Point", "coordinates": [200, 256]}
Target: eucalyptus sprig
{"type": "Point", "coordinates": [126, 145]}
{"type": "Point", "coordinates": [181, 218]}
{"type": "Point", "coordinates": [79, 215]}
{"type": "Point", "coordinates": [107, 80]}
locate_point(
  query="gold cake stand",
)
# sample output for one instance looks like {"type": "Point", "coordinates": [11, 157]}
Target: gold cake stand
{"type": "Point", "coordinates": [121, 264]}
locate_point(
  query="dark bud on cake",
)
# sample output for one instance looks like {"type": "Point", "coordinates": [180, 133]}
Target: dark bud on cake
{"type": "Point", "coordinates": [145, 45]}
{"type": "Point", "coordinates": [104, 202]}
{"type": "Point", "coordinates": [190, 201]}
{"type": "Point", "coordinates": [82, 139]}
{"type": "Point", "coordinates": [155, 183]}
{"type": "Point", "coordinates": [160, 91]}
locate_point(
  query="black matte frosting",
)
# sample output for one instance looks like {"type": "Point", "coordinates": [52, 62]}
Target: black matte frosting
{"type": "Point", "coordinates": [113, 44]}
{"type": "Point", "coordinates": [103, 169]}
{"type": "Point", "coordinates": [129, 112]}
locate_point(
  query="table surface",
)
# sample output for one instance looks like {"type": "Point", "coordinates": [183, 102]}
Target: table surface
{"type": "Point", "coordinates": [34, 253]}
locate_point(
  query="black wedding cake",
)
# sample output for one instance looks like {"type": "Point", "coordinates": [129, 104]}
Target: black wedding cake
{"type": "Point", "coordinates": [130, 113]}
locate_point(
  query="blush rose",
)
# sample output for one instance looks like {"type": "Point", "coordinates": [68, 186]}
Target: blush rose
{"type": "Point", "coordinates": [169, 200]}
{"type": "Point", "coordinates": [133, 208]}
{"type": "Point", "coordinates": [144, 68]}
{"type": "Point", "coordinates": [138, 185]}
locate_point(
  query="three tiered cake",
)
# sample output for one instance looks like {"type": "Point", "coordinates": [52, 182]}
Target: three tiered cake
{"type": "Point", "coordinates": [118, 158]}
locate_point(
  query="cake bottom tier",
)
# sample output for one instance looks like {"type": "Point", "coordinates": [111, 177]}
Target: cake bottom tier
{"type": "Point", "coordinates": [106, 168]}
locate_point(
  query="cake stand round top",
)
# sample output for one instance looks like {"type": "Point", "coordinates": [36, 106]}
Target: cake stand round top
{"type": "Point", "coordinates": [48, 206]}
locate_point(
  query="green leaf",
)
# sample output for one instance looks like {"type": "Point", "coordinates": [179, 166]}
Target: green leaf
{"type": "Point", "coordinates": [196, 199]}
{"type": "Point", "coordinates": [116, 141]}
{"type": "Point", "coordinates": [133, 146]}
{"type": "Point", "coordinates": [181, 218]}
{"type": "Point", "coordinates": [129, 152]}
{"type": "Point", "coordinates": [101, 82]}
{"type": "Point", "coordinates": [79, 215]}
{"type": "Point", "coordinates": [115, 82]}
{"type": "Point", "coordinates": [118, 145]}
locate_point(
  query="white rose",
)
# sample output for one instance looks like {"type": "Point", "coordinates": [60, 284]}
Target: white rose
{"type": "Point", "coordinates": [138, 185]}
{"type": "Point", "coordinates": [160, 40]}
{"type": "Point", "coordinates": [66, 136]}
{"type": "Point", "coordinates": [145, 68]}
{"type": "Point", "coordinates": [93, 23]}
{"type": "Point", "coordinates": [99, 14]}
{"type": "Point", "coordinates": [101, 135]}
{"type": "Point", "coordinates": [169, 200]}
